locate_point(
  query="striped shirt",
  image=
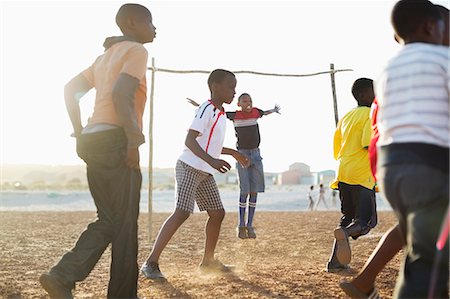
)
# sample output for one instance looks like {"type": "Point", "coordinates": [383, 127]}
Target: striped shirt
{"type": "Point", "coordinates": [413, 97]}
{"type": "Point", "coordinates": [246, 127]}
{"type": "Point", "coordinates": [210, 122]}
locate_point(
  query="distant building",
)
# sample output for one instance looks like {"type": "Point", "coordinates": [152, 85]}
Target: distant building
{"type": "Point", "coordinates": [298, 174]}
{"type": "Point", "coordinates": [326, 177]}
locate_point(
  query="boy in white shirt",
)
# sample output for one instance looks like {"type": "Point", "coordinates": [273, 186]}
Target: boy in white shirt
{"type": "Point", "coordinates": [194, 174]}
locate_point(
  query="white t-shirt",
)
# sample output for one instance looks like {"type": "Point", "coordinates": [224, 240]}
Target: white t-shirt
{"type": "Point", "coordinates": [210, 122]}
{"type": "Point", "coordinates": [413, 96]}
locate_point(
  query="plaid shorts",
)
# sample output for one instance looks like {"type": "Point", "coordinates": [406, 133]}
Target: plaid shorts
{"type": "Point", "coordinates": [194, 185]}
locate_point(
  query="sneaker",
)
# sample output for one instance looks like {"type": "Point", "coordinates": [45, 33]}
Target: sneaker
{"type": "Point", "coordinates": [242, 232]}
{"type": "Point", "coordinates": [344, 252]}
{"type": "Point", "coordinates": [333, 267]}
{"type": "Point", "coordinates": [152, 271]}
{"type": "Point", "coordinates": [251, 232]}
{"type": "Point", "coordinates": [214, 266]}
{"type": "Point", "coordinates": [54, 288]}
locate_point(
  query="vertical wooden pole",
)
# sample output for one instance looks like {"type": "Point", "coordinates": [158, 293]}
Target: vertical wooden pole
{"type": "Point", "coordinates": [333, 89]}
{"type": "Point", "coordinates": [150, 156]}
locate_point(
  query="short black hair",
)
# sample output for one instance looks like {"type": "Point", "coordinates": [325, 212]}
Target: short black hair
{"type": "Point", "coordinates": [217, 76]}
{"type": "Point", "coordinates": [360, 86]}
{"type": "Point", "coordinates": [408, 15]}
{"type": "Point", "coordinates": [130, 10]}
{"type": "Point", "coordinates": [244, 95]}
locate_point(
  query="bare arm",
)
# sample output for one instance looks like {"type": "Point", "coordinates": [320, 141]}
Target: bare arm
{"type": "Point", "coordinates": [191, 142]}
{"type": "Point", "coordinates": [276, 109]}
{"type": "Point", "coordinates": [242, 159]}
{"type": "Point", "coordinates": [73, 91]}
{"type": "Point", "coordinates": [123, 97]}
{"type": "Point", "coordinates": [192, 102]}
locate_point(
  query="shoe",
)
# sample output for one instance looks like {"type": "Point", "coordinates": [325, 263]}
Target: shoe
{"type": "Point", "coordinates": [152, 271]}
{"type": "Point", "coordinates": [214, 266]}
{"type": "Point", "coordinates": [242, 232]}
{"type": "Point", "coordinates": [251, 232]}
{"type": "Point", "coordinates": [344, 252]}
{"type": "Point", "coordinates": [354, 292]}
{"type": "Point", "coordinates": [54, 288]}
{"type": "Point", "coordinates": [334, 267]}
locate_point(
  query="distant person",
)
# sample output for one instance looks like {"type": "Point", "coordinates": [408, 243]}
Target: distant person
{"type": "Point", "coordinates": [194, 175]}
{"type": "Point", "coordinates": [109, 146]}
{"type": "Point", "coordinates": [354, 179]}
{"type": "Point", "coordinates": [310, 197]}
{"type": "Point", "coordinates": [251, 178]}
{"type": "Point", "coordinates": [392, 241]}
{"type": "Point", "coordinates": [321, 197]}
{"type": "Point", "coordinates": [333, 198]}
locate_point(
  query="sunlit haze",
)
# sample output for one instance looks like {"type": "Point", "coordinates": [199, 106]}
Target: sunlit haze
{"type": "Point", "coordinates": [45, 44]}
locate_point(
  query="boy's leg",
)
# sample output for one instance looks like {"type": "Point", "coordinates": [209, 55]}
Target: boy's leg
{"type": "Point", "coordinates": [244, 186]}
{"type": "Point", "coordinates": [389, 245]}
{"type": "Point", "coordinates": [124, 269]}
{"type": "Point", "coordinates": [104, 153]}
{"type": "Point", "coordinates": [187, 182]}
{"type": "Point", "coordinates": [251, 208]}
{"type": "Point", "coordinates": [166, 232]}
{"type": "Point", "coordinates": [208, 199]}
{"type": "Point", "coordinates": [212, 232]}
{"type": "Point", "coordinates": [419, 195]}
{"type": "Point", "coordinates": [341, 245]}
{"type": "Point", "coordinates": [242, 207]}
{"type": "Point", "coordinates": [257, 184]}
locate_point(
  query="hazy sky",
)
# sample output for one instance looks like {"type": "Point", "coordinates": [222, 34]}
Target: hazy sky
{"type": "Point", "coordinates": [45, 44]}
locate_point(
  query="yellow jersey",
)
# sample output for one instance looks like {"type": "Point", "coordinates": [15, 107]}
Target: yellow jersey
{"type": "Point", "coordinates": [351, 140]}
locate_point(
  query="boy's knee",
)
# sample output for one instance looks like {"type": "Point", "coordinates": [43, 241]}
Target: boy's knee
{"type": "Point", "coordinates": [217, 215]}
{"type": "Point", "coordinates": [181, 215]}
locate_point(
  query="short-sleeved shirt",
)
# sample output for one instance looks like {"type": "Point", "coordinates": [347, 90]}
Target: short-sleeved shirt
{"type": "Point", "coordinates": [127, 57]}
{"type": "Point", "coordinates": [246, 128]}
{"type": "Point", "coordinates": [351, 139]}
{"type": "Point", "coordinates": [210, 122]}
{"type": "Point", "coordinates": [413, 96]}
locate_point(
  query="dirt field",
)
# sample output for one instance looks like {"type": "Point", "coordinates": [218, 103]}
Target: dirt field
{"type": "Point", "coordinates": [287, 259]}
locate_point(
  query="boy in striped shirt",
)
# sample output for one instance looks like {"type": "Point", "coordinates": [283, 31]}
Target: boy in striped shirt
{"type": "Point", "coordinates": [413, 122]}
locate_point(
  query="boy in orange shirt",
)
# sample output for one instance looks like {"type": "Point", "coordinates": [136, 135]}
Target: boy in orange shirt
{"type": "Point", "coordinates": [109, 146]}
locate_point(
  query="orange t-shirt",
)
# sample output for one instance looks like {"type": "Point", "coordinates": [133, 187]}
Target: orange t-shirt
{"type": "Point", "coordinates": [123, 57]}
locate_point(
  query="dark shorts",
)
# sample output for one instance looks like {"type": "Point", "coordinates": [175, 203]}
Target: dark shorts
{"type": "Point", "coordinates": [419, 195]}
{"type": "Point", "coordinates": [358, 205]}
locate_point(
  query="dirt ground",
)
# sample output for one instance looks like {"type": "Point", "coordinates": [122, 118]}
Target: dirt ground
{"type": "Point", "coordinates": [286, 260]}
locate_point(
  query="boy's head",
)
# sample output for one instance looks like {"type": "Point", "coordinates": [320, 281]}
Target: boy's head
{"type": "Point", "coordinates": [245, 102]}
{"type": "Point", "coordinates": [222, 84]}
{"type": "Point", "coordinates": [417, 21]}
{"type": "Point", "coordinates": [135, 21]}
{"type": "Point", "coordinates": [445, 14]}
{"type": "Point", "coordinates": [362, 90]}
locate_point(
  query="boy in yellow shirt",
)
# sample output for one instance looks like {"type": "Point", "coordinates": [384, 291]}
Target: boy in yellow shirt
{"type": "Point", "coordinates": [354, 179]}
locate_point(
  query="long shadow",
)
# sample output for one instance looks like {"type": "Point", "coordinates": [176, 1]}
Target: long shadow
{"type": "Point", "coordinates": [251, 286]}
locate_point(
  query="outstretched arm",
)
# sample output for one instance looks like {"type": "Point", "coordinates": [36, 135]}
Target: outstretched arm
{"type": "Point", "coordinates": [73, 91]}
{"type": "Point", "coordinates": [242, 159]}
{"type": "Point", "coordinates": [192, 102]}
{"type": "Point", "coordinates": [276, 109]}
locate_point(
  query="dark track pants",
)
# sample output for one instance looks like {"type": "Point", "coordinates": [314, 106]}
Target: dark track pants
{"type": "Point", "coordinates": [115, 189]}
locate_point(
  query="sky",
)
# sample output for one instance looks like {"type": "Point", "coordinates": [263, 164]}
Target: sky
{"type": "Point", "coordinates": [44, 44]}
